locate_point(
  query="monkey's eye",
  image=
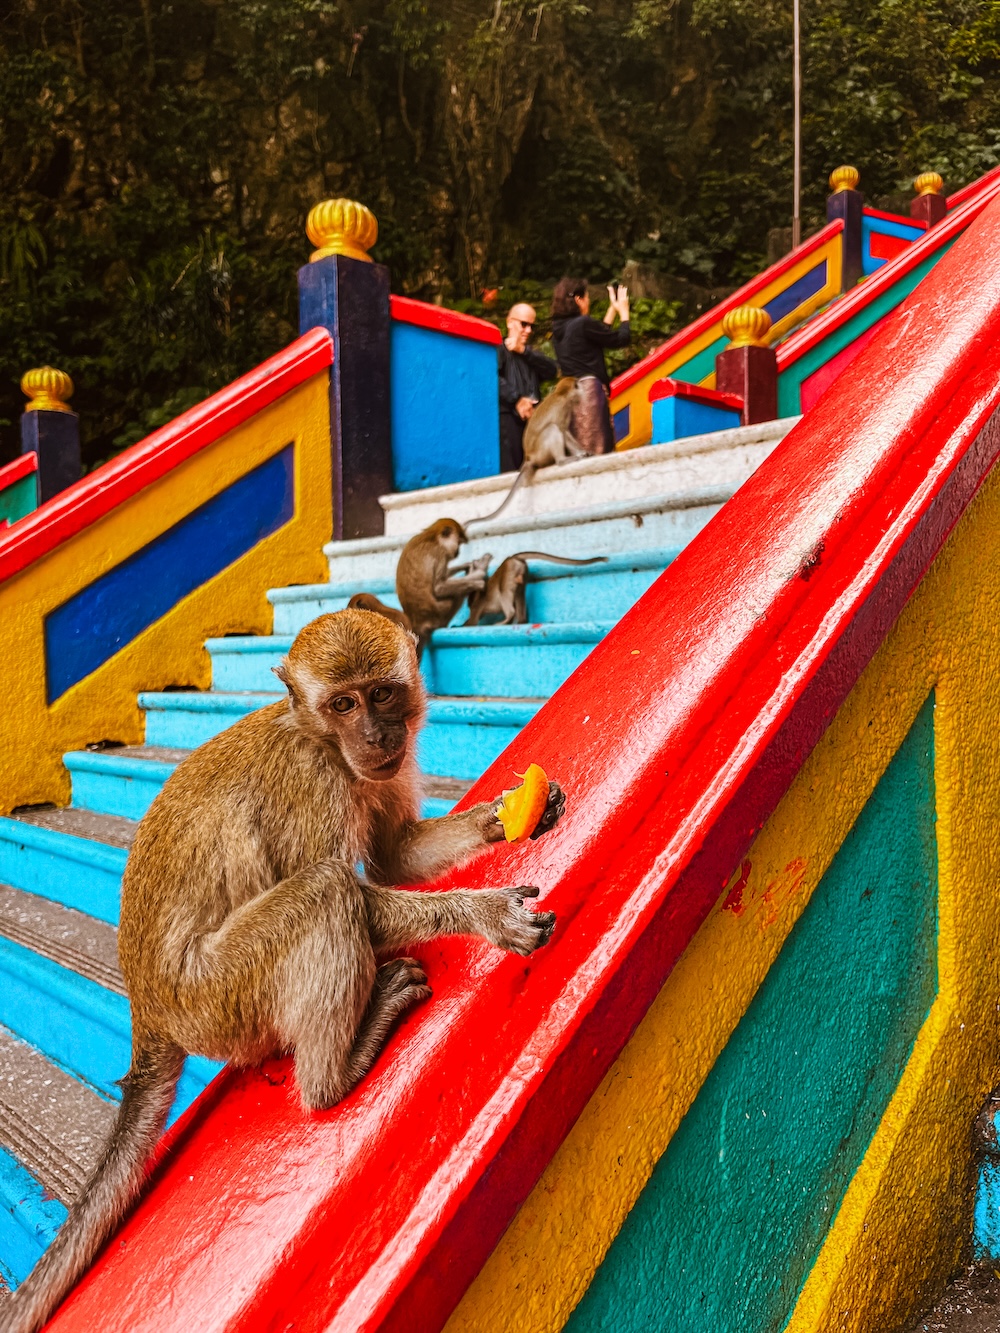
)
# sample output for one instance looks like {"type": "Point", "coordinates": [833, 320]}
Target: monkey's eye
{"type": "Point", "coordinates": [381, 693]}
{"type": "Point", "coordinates": [343, 704]}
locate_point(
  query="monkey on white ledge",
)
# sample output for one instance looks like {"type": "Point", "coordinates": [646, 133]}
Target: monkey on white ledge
{"type": "Point", "coordinates": [246, 931]}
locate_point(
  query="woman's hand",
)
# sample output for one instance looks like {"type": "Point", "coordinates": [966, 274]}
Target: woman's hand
{"type": "Point", "coordinates": [622, 304]}
{"type": "Point", "coordinates": [618, 298]}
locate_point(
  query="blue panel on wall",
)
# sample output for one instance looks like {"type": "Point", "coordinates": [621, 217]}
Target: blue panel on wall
{"type": "Point", "coordinates": [620, 423]}
{"type": "Point", "coordinates": [445, 408]}
{"type": "Point", "coordinates": [808, 285]}
{"type": "Point", "coordinates": [84, 632]}
{"type": "Point", "coordinates": [675, 418]}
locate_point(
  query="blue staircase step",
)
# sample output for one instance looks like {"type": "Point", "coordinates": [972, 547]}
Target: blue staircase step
{"type": "Point", "coordinates": [48, 854]}
{"type": "Point", "coordinates": [461, 738]}
{"type": "Point", "coordinates": [295, 606]}
{"type": "Point", "coordinates": [510, 660]}
{"type": "Point", "coordinates": [119, 781]}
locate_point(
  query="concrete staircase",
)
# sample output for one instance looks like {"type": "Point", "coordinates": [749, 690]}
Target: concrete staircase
{"type": "Point", "coordinates": [64, 1022]}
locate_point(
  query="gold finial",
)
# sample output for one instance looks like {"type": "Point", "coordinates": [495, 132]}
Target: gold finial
{"type": "Point", "coordinates": [341, 227]}
{"type": "Point", "coordinates": [48, 390]}
{"type": "Point", "coordinates": [844, 178]}
{"type": "Point", "coordinates": [928, 182]}
{"type": "Point", "coordinates": [746, 326]}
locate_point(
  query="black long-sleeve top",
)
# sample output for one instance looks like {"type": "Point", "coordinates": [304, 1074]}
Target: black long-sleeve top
{"type": "Point", "coordinates": [521, 374]}
{"type": "Point", "coordinates": [580, 342]}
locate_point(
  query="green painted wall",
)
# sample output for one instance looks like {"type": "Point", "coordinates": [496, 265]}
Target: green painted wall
{"type": "Point", "coordinates": [726, 1231]}
{"type": "Point", "coordinates": [19, 499]}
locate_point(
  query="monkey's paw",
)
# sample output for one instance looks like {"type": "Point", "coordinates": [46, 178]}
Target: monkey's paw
{"type": "Point", "coordinates": [519, 930]}
{"type": "Point", "coordinates": [553, 812]}
{"type": "Point", "coordinates": [404, 981]}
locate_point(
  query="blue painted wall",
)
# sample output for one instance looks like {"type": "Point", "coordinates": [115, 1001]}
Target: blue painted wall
{"type": "Point", "coordinates": [675, 418]}
{"type": "Point", "coordinates": [445, 408]}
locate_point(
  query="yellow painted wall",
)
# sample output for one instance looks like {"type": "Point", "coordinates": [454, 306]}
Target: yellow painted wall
{"type": "Point", "coordinates": [908, 1211]}
{"type": "Point", "coordinates": [170, 652]}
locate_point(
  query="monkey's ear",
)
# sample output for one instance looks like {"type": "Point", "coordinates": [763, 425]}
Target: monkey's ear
{"type": "Point", "coordinates": [281, 671]}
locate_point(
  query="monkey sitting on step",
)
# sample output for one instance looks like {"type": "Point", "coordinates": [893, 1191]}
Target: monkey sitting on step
{"type": "Point", "coordinates": [548, 439]}
{"type": "Point", "coordinates": [429, 592]}
{"type": "Point", "coordinates": [246, 931]}
{"type": "Point", "coordinates": [367, 601]}
{"type": "Point", "coordinates": [504, 594]}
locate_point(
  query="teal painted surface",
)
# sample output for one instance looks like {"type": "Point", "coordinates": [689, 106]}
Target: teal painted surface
{"type": "Point", "coordinates": [790, 381]}
{"type": "Point", "coordinates": [701, 365]}
{"type": "Point", "coordinates": [675, 418]}
{"type": "Point", "coordinates": [725, 1233]}
{"type": "Point", "coordinates": [69, 870]}
{"type": "Point", "coordinates": [19, 499]}
{"type": "Point", "coordinates": [29, 1220]}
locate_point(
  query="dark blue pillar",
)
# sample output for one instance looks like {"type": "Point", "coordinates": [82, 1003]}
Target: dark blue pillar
{"type": "Point", "coordinates": [848, 203]}
{"type": "Point", "coordinates": [51, 430]}
{"type": "Point", "coordinates": [350, 297]}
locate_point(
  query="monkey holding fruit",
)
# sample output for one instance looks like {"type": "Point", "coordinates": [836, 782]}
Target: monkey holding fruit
{"type": "Point", "coordinates": [548, 438]}
{"type": "Point", "coordinates": [429, 592]}
{"type": "Point", "coordinates": [246, 931]}
{"type": "Point", "coordinates": [504, 594]}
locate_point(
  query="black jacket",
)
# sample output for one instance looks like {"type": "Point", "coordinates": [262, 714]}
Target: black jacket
{"type": "Point", "coordinates": [521, 374]}
{"type": "Point", "coordinates": [580, 342]}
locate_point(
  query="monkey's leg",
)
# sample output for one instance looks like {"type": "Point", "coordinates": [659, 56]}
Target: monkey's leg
{"type": "Point", "coordinates": [401, 917]}
{"type": "Point", "coordinates": [398, 985]}
{"type": "Point", "coordinates": [573, 446]}
{"type": "Point", "coordinates": [520, 606]}
{"type": "Point", "coordinates": [292, 968]}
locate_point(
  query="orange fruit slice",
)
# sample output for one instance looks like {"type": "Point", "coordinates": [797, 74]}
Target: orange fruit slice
{"type": "Point", "coordinates": [521, 809]}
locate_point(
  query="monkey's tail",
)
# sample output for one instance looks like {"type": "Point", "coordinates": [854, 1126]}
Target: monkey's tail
{"type": "Point", "coordinates": [526, 473]}
{"type": "Point", "coordinates": [558, 559]}
{"type": "Point", "coordinates": [147, 1093]}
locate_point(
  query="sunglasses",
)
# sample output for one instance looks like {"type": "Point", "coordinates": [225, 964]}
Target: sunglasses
{"type": "Point", "coordinates": [524, 324]}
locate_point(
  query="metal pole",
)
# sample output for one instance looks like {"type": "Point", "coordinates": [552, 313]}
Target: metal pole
{"type": "Point", "coordinates": [797, 112]}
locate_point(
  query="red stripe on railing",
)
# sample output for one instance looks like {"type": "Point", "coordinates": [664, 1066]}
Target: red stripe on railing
{"type": "Point", "coordinates": [686, 335]}
{"type": "Point", "coordinates": [674, 740]}
{"type": "Point", "coordinates": [111, 484]}
{"type": "Point", "coordinates": [822, 325]}
{"type": "Point", "coordinates": [21, 467]}
{"type": "Point", "coordinates": [441, 320]}
{"type": "Point", "coordinates": [895, 217]}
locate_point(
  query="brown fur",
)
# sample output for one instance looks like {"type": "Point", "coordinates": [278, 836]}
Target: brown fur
{"type": "Point", "coordinates": [429, 592]}
{"type": "Point", "coordinates": [245, 929]}
{"type": "Point", "coordinates": [504, 596]}
{"type": "Point", "coordinates": [367, 601]}
{"type": "Point", "coordinates": [548, 439]}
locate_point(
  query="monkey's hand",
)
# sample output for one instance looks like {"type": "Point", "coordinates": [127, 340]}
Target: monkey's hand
{"type": "Point", "coordinates": [550, 816]}
{"type": "Point", "coordinates": [515, 928]}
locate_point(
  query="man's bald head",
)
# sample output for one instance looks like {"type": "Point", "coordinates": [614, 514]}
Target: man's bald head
{"type": "Point", "coordinates": [520, 321]}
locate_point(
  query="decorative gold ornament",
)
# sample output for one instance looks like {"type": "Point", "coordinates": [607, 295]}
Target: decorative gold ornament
{"type": "Point", "coordinates": [928, 182]}
{"type": "Point", "coordinates": [48, 390]}
{"type": "Point", "coordinates": [844, 178]}
{"type": "Point", "coordinates": [746, 326]}
{"type": "Point", "coordinates": [341, 227]}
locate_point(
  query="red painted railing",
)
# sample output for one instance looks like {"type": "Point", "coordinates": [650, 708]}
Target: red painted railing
{"type": "Point", "coordinates": [441, 320]}
{"type": "Point", "coordinates": [18, 469]}
{"type": "Point", "coordinates": [97, 494]}
{"type": "Point", "coordinates": [674, 740]}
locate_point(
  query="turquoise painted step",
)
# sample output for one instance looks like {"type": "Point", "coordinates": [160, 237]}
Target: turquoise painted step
{"type": "Point", "coordinates": [554, 592]}
{"type": "Point", "coordinates": [462, 736]}
{"type": "Point", "coordinates": [29, 1220]}
{"type": "Point", "coordinates": [115, 784]}
{"type": "Point", "coordinates": [76, 872]}
{"type": "Point", "coordinates": [490, 660]}
{"type": "Point", "coordinates": [77, 1024]}
{"type": "Point", "coordinates": [111, 784]}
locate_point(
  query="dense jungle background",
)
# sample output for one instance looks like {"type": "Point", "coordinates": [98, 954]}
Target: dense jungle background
{"type": "Point", "coordinates": [158, 159]}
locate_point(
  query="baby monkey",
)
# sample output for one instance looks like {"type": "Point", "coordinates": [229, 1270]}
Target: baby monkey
{"type": "Point", "coordinates": [504, 594]}
{"type": "Point", "coordinates": [246, 931]}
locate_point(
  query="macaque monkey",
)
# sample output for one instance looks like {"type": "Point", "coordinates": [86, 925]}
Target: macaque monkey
{"type": "Point", "coordinates": [429, 592]}
{"type": "Point", "coordinates": [548, 438]}
{"type": "Point", "coordinates": [504, 595]}
{"type": "Point", "coordinates": [367, 601]}
{"type": "Point", "coordinates": [246, 931]}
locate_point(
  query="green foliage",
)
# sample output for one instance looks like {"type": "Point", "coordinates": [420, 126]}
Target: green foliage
{"type": "Point", "coordinates": [158, 159]}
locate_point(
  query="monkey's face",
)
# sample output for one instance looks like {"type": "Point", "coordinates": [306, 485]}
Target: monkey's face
{"type": "Point", "coordinates": [451, 535]}
{"type": "Point", "coordinates": [369, 723]}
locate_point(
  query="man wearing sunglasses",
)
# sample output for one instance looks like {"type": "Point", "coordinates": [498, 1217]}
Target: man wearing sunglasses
{"type": "Point", "coordinates": [522, 371]}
